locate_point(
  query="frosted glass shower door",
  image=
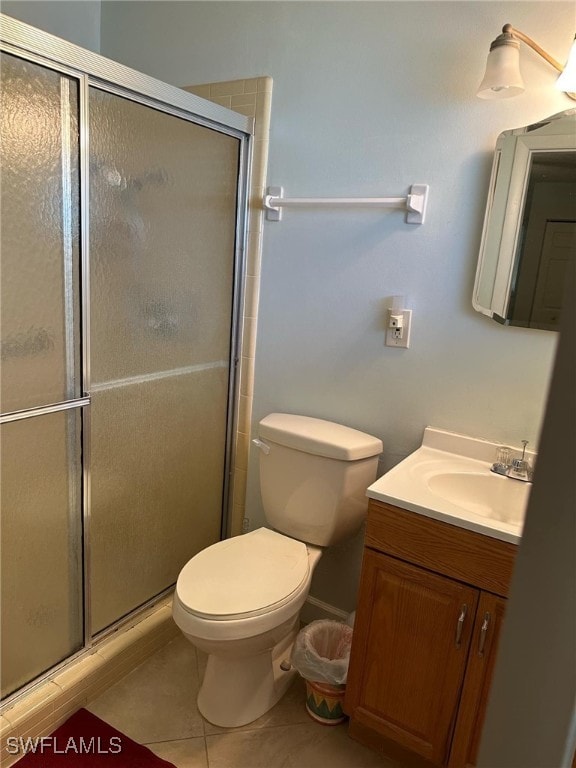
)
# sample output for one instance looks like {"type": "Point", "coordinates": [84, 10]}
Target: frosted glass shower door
{"type": "Point", "coordinates": [162, 226]}
{"type": "Point", "coordinates": [40, 479]}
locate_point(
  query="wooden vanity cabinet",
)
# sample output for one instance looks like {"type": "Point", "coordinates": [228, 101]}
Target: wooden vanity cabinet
{"type": "Point", "coordinates": [425, 637]}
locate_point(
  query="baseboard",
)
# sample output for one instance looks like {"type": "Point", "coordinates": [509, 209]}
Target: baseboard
{"type": "Point", "coordinates": [314, 609]}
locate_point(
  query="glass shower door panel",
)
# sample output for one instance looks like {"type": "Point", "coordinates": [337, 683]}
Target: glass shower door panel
{"type": "Point", "coordinates": [157, 485]}
{"type": "Point", "coordinates": [38, 236]}
{"type": "Point", "coordinates": [162, 224]}
{"type": "Point", "coordinates": [40, 529]}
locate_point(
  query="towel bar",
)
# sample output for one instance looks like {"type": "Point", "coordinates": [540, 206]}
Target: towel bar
{"type": "Point", "coordinates": [414, 203]}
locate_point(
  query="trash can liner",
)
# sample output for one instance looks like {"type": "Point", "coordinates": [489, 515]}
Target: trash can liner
{"type": "Point", "coordinates": [322, 651]}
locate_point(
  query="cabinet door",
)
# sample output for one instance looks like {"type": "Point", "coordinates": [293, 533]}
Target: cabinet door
{"type": "Point", "coordinates": [481, 660]}
{"type": "Point", "coordinates": [411, 641]}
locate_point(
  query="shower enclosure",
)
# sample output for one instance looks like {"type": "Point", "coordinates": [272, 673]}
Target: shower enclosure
{"type": "Point", "coordinates": [122, 229]}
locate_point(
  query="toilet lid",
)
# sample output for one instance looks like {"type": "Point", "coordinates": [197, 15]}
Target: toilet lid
{"type": "Point", "coordinates": [245, 575]}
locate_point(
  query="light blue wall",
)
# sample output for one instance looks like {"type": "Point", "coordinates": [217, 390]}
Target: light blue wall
{"type": "Point", "coordinates": [369, 98]}
{"type": "Point", "coordinates": [75, 21]}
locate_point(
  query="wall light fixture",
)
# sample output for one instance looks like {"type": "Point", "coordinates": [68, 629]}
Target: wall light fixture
{"type": "Point", "coordinates": [503, 79]}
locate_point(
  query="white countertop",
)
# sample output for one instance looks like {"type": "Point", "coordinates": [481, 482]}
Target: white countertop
{"type": "Point", "coordinates": [449, 479]}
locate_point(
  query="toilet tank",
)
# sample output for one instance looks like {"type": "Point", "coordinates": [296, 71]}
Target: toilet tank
{"type": "Point", "coordinates": [314, 475]}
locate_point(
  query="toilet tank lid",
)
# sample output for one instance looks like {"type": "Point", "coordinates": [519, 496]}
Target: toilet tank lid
{"type": "Point", "coordinates": [319, 437]}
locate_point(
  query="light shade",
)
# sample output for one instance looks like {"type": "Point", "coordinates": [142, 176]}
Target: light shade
{"type": "Point", "coordinates": [567, 80]}
{"type": "Point", "coordinates": [502, 78]}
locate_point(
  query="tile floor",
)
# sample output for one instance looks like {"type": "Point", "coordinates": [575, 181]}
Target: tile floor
{"type": "Point", "coordinates": [156, 705]}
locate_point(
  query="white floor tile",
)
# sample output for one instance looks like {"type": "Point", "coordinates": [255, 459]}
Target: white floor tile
{"type": "Point", "coordinates": [185, 753]}
{"type": "Point", "coordinates": [157, 701]}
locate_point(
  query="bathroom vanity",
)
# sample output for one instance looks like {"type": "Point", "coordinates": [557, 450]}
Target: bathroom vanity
{"type": "Point", "coordinates": [432, 599]}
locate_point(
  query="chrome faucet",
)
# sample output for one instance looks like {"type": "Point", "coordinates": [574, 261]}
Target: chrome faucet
{"type": "Point", "coordinates": [516, 469]}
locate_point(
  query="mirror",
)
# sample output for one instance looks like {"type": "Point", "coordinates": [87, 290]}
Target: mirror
{"type": "Point", "coordinates": [529, 234]}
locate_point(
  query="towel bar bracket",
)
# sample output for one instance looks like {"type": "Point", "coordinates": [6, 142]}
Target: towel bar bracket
{"type": "Point", "coordinates": [271, 198]}
{"type": "Point", "coordinates": [414, 203]}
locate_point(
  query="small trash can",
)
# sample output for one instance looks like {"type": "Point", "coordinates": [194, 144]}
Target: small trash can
{"type": "Point", "coordinates": [324, 702]}
{"type": "Point", "coordinates": [321, 654]}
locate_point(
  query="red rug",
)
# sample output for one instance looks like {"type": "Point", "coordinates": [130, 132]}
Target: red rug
{"type": "Point", "coordinates": [85, 741]}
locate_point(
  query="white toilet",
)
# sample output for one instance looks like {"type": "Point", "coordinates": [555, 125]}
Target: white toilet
{"type": "Point", "coordinates": [239, 600]}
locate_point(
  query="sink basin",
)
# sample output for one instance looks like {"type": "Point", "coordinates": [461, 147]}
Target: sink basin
{"type": "Point", "coordinates": [449, 478]}
{"type": "Point", "coordinates": [491, 496]}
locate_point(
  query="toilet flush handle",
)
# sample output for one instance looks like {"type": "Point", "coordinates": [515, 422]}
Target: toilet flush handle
{"type": "Point", "coordinates": [264, 447]}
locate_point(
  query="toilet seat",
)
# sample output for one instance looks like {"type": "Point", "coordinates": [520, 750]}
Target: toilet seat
{"type": "Point", "coordinates": [243, 577]}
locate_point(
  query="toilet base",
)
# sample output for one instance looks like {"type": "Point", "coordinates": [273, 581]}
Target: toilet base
{"type": "Point", "coordinates": [237, 691]}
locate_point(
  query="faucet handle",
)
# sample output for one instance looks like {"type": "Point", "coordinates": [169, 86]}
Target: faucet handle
{"type": "Point", "coordinates": [521, 469]}
{"type": "Point", "coordinates": [503, 456]}
{"type": "Point", "coordinates": [503, 460]}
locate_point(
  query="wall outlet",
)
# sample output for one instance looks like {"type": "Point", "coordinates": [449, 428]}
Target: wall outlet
{"type": "Point", "coordinates": [398, 328]}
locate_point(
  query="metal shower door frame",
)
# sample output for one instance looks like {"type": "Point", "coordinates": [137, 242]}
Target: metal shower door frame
{"type": "Point", "coordinates": [92, 70]}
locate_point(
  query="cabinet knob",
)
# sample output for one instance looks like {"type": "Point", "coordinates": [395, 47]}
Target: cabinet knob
{"type": "Point", "coordinates": [483, 634]}
{"type": "Point", "coordinates": [460, 624]}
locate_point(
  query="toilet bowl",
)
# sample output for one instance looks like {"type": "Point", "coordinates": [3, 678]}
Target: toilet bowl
{"type": "Point", "coordinates": [239, 600]}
